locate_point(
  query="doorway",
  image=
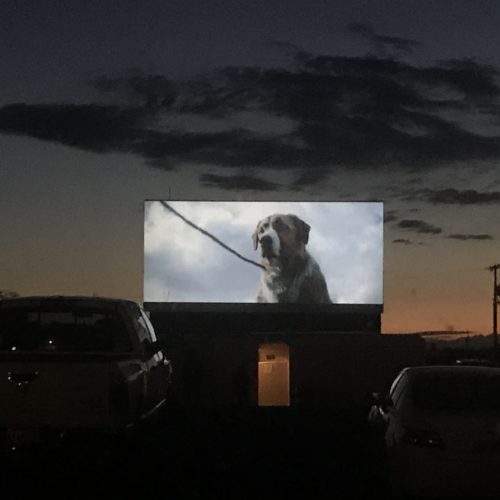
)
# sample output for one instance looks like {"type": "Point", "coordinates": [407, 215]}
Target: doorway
{"type": "Point", "coordinates": [274, 375]}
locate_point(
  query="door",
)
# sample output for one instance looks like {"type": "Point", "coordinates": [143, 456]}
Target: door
{"type": "Point", "coordinates": [274, 375]}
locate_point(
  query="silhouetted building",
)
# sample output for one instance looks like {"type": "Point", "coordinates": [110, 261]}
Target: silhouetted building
{"type": "Point", "coordinates": [281, 357]}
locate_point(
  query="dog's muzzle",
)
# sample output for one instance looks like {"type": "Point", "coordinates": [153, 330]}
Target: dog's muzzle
{"type": "Point", "coordinates": [266, 245]}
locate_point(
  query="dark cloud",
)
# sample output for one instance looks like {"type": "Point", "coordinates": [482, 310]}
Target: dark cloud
{"type": "Point", "coordinates": [390, 216]}
{"type": "Point", "coordinates": [234, 148]}
{"type": "Point", "coordinates": [344, 112]}
{"type": "Point", "coordinates": [101, 128]}
{"type": "Point", "coordinates": [419, 226]}
{"type": "Point", "coordinates": [310, 177]}
{"type": "Point", "coordinates": [288, 48]}
{"type": "Point", "coordinates": [383, 42]}
{"type": "Point", "coordinates": [90, 127]}
{"type": "Point", "coordinates": [138, 88]}
{"type": "Point", "coordinates": [468, 237]}
{"type": "Point", "coordinates": [402, 241]}
{"type": "Point", "coordinates": [464, 197]}
{"type": "Point", "coordinates": [238, 182]}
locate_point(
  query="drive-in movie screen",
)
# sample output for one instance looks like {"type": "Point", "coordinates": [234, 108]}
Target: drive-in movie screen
{"type": "Point", "coordinates": [263, 252]}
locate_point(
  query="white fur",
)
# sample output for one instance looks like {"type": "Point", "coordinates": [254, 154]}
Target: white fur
{"type": "Point", "coordinates": [274, 238]}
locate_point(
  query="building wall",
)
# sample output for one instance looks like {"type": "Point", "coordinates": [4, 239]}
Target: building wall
{"type": "Point", "coordinates": [341, 371]}
{"type": "Point", "coordinates": [332, 369]}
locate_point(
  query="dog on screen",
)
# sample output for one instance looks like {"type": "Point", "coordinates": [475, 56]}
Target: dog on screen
{"type": "Point", "coordinates": [290, 274]}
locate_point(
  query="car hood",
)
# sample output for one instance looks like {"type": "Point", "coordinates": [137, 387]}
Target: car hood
{"type": "Point", "coordinates": [469, 432]}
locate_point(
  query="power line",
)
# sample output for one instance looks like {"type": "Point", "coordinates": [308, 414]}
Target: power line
{"type": "Point", "coordinates": [209, 235]}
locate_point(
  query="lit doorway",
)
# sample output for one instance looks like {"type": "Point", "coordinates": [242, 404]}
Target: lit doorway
{"type": "Point", "coordinates": [274, 375]}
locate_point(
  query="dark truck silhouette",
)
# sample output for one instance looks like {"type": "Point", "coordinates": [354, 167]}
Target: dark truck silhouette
{"type": "Point", "coordinates": [77, 363]}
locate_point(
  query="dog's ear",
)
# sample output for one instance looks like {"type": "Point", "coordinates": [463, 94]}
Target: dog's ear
{"type": "Point", "coordinates": [303, 229]}
{"type": "Point", "coordinates": [255, 238]}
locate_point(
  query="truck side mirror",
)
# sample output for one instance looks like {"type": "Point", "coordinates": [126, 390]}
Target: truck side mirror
{"type": "Point", "coordinates": [150, 348]}
{"type": "Point", "coordinates": [384, 402]}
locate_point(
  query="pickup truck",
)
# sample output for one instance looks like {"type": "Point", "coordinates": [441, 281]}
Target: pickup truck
{"type": "Point", "coordinates": [70, 363]}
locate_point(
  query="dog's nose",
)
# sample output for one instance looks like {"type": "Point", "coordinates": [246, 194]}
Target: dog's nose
{"type": "Point", "coordinates": [266, 240]}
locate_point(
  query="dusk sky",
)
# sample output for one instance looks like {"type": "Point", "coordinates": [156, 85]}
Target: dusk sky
{"type": "Point", "coordinates": [106, 104]}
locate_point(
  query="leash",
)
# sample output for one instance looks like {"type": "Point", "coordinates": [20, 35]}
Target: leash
{"type": "Point", "coordinates": [211, 236]}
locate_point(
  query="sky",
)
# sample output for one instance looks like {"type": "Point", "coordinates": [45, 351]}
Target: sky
{"type": "Point", "coordinates": [182, 264]}
{"type": "Point", "coordinates": [106, 104]}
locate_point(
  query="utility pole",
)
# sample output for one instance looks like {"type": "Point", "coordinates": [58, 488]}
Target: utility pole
{"type": "Point", "coordinates": [496, 294]}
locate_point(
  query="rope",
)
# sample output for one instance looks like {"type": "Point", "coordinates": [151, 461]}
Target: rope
{"type": "Point", "coordinates": [211, 236]}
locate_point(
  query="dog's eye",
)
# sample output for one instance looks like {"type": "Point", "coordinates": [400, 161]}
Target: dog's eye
{"type": "Point", "coordinates": [281, 226]}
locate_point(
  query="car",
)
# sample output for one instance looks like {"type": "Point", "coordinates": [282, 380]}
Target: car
{"type": "Point", "coordinates": [440, 428]}
{"type": "Point", "coordinates": [475, 362]}
{"type": "Point", "coordinates": [73, 363]}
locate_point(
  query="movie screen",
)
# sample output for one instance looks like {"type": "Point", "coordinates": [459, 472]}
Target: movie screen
{"type": "Point", "coordinates": [263, 252]}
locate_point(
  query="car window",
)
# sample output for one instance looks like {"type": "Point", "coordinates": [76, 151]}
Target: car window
{"type": "Point", "coordinates": [149, 325]}
{"type": "Point", "coordinates": [395, 384]}
{"type": "Point", "coordinates": [140, 325]}
{"type": "Point", "coordinates": [63, 329]}
{"type": "Point", "coordinates": [398, 389]}
{"type": "Point", "coordinates": [143, 326]}
{"type": "Point", "coordinates": [457, 392]}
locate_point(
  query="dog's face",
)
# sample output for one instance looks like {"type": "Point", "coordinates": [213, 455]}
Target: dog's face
{"type": "Point", "coordinates": [281, 236]}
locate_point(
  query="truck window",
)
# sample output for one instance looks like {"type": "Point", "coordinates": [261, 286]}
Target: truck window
{"type": "Point", "coordinates": [149, 326]}
{"type": "Point", "coordinates": [141, 324]}
{"type": "Point", "coordinates": [63, 330]}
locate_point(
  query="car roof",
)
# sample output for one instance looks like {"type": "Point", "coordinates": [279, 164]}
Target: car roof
{"type": "Point", "coordinates": [76, 300]}
{"type": "Point", "coordinates": [416, 371]}
{"type": "Point", "coordinates": [474, 361]}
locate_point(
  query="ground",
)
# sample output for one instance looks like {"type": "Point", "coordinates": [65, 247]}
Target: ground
{"type": "Point", "coordinates": [198, 453]}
